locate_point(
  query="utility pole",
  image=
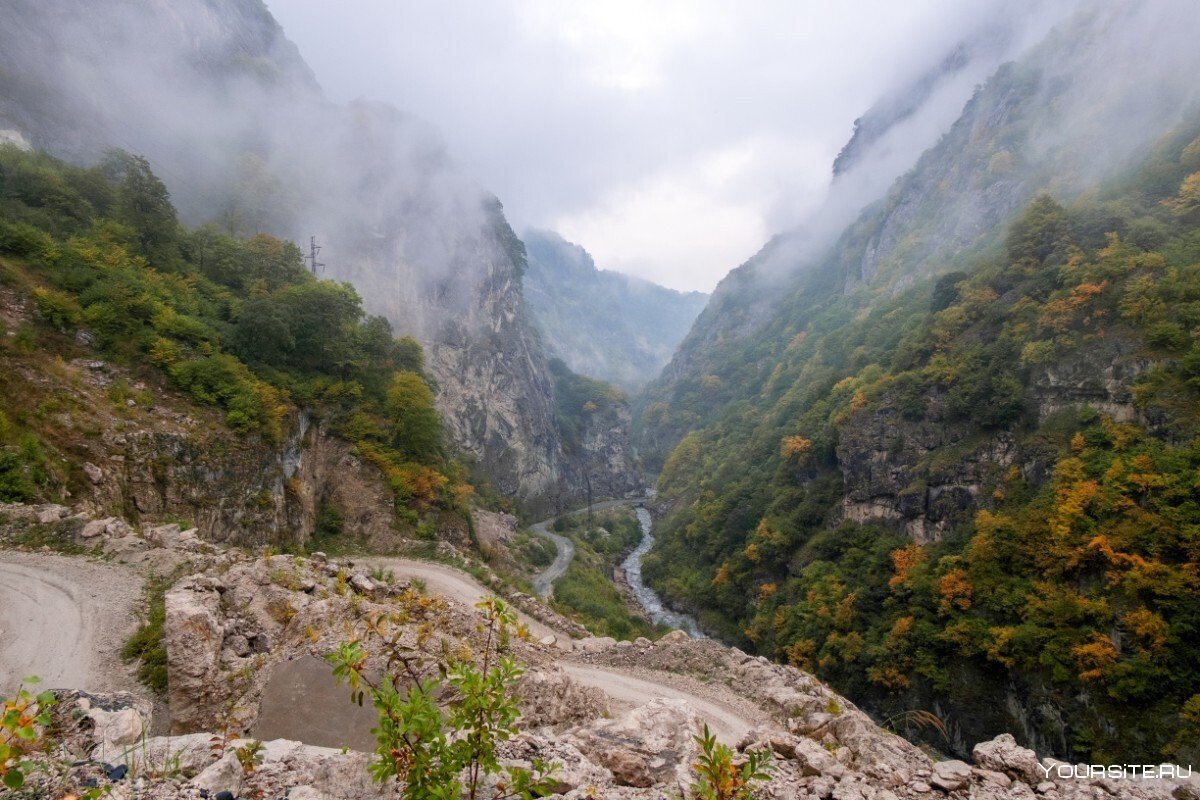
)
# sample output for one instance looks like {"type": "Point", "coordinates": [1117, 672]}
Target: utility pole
{"type": "Point", "coordinates": [311, 258]}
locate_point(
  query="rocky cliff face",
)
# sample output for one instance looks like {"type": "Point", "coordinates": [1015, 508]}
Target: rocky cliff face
{"type": "Point", "coordinates": [159, 457]}
{"type": "Point", "coordinates": [604, 464]}
{"type": "Point", "coordinates": [226, 111]}
{"type": "Point", "coordinates": [932, 473]}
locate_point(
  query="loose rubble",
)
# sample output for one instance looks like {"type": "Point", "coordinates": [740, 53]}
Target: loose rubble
{"type": "Point", "coordinates": [234, 617]}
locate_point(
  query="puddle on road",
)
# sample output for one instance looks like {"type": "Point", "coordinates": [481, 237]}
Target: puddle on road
{"type": "Point", "coordinates": [303, 702]}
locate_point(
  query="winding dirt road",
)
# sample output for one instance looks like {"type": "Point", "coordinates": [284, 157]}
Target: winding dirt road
{"type": "Point", "coordinates": [729, 716]}
{"type": "Point", "coordinates": [543, 584]}
{"type": "Point", "coordinates": [64, 619]}
{"type": "Point", "coordinates": [448, 581]}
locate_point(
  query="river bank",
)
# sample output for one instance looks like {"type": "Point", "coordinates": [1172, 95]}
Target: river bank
{"type": "Point", "coordinates": [646, 597]}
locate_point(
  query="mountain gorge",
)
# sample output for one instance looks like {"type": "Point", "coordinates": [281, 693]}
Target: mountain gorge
{"type": "Point", "coordinates": [609, 326]}
{"type": "Point", "coordinates": [221, 104]}
{"type": "Point", "coordinates": [876, 461]}
{"type": "Point", "coordinates": [926, 467]}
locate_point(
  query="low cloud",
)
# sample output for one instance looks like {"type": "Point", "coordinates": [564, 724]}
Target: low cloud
{"type": "Point", "coordinates": [612, 120]}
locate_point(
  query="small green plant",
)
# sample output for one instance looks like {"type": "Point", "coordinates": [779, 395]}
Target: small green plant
{"type": "Point", "coordinates": [719, 778]}
{"type": "Point", "coordinates": [282, 611]}
{"type": "Point", "coordinates": [383, 575]}
{"type": "Point", "coordinates": [146, 643]}
{"type": "Point", "coordinates": [25, 715]}
{"type": "Point", "coordinates": [249, 755]}
{"type": "Point", "coordinates": [438, 732]}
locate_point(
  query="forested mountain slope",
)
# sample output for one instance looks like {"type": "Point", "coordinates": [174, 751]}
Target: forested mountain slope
{"type": "Point", "coordinates": [951, 464]}
{"type": "Point", "coordinates": [1067, 113]}
{"type": "Point", "coordinates": [159, 373]}
{"type": "Point", "coordinates": [603, 324]}
{"type": "Point", "coordinates": [217, 99]}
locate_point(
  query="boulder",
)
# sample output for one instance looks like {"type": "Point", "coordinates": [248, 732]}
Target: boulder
{"type": "Point", "coordinates": [675, 637]}
{"type": "Point", "coordinates": [655, 740]}
{"type": "Point", "coordinates": [629, 768]}
{"type": "Point", "coordinates": [362, 584]}
{"type": "Point", "coordinates": [117, 528]}
{"type": "Point", "coordinates": [993, 777]}
{"type": "Point", "coordinates": [950, 776]}
{"type": "Point", "coordinates": [52, 513]}
{"type": "Point", "coordinates": [97, 527]}
{"type": "Point", "coordinates": [193, 638]}
{"type": "Point", "coordinates": [94, 473]}
{"type": "Point", "coordinates": [815, 759]}
{"type": "Point", "coordinates": [224, 775]}
{"type": "Point", "coordinates": [172, 537]}
{"type": "Point", "coordinates": [595, 644]}
{"type": "Point", "coordinates": [121, 727]}
{"type": "Point", "coordinates": [1003, 754]}
{"type": "Point", "coordinates": [127, 549]}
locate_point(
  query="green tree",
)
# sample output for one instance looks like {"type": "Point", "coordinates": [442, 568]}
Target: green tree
{"type": "Point", "coordinates": [438, 733]}
{"type": "Point", "coordinates": [1039, 231]}
{"type": "Point", "coordinates": [413, 424]}
{"type": "Point", "coordinates": [144, 204]}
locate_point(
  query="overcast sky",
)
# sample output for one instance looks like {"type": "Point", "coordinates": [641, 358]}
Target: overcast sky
{"type": "Point", "coordinates": [668, 137]}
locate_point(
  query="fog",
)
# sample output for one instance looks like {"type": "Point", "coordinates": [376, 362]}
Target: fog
{"type": "Point", "coordinates": [670, 139]}
{"type": "Point", "coordinates": [1094, 95]}
{"type": "Point", "coordinates": [233, 121]}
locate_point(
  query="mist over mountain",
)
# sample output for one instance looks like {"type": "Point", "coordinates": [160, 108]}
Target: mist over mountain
{"type": "Point", "coordinates": [603, 324]}
{"type": "Point", "coordinates": [226, 111]}
{"type": "Point", "coordinates": [1072, 110]}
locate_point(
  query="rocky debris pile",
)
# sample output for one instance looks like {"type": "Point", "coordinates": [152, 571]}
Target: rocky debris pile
{"type": "Point", "coordinates": [227, 628]}
{"type": "Point", "coordinates": [537, 609]}
{"type": "Point", "coordinates": [823, 746]}
{"type": "Point", "coordinates": [100, 741]}
{"type": "Point", "coordinates": [551, 700]}
{"type": "Point", "coordinates": [652, 744]}
{"type": "Point", "coordinates": [160, 550]}
{"type": "Point", "coordinates": [645, 753]}
{"type": "Point", "coordinates": [230, 624]}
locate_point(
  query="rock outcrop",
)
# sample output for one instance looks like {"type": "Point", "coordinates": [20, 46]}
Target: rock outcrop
{"type": "Point", "coordinates": [644, 753]}
{"type": "Point", "coordinates": [159, 456]}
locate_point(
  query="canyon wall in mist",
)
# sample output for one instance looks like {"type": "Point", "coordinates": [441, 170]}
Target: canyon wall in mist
{"type": "Point", "coordinates": [227, 112]}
